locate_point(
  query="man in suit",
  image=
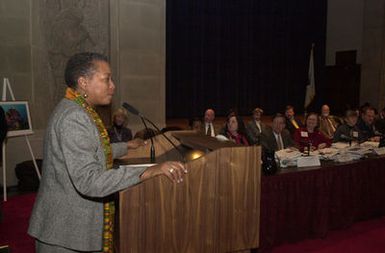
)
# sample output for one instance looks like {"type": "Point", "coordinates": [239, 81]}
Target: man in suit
{"type": "Point", "coordinates": [208, 126]}
{"type": "Point", "coordinates": [292, 123]}
{"type": "Point", "coordinates": [255, 127]}
{"type": "Point", "coordinates": [327, 123]}
{"type": "Point", "coordinates": [277, 137]}
{"type": "Point", "coordinates": [366, 124]}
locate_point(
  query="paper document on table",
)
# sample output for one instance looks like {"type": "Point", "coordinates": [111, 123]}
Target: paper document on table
{"type": "Point", "coordinates": [371, 144]}
{"type": "Point", "coordinates": [380, 151]}
{"type": "Point", "coordinates": [346, 157]}
{"type": "Point", "coordinates": [328, 153]}
{"type": "Point", "coordinates": [360, 150]}
{"type": "Point", "coordinates": [287, 157]}
{"type": "Point", "coordinates": [340, 145]}
{"type": "Point", "coordinates": [308, 161]}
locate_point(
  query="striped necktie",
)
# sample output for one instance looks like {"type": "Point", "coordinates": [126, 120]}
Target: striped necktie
{"type": "Point", "coordinates": [294, 123]}
{"type": "Point", "coordinates": [208, 133]}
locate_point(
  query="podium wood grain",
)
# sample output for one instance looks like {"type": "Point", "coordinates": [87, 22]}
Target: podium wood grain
{"type": "Point", "coordinates": [215, 209]}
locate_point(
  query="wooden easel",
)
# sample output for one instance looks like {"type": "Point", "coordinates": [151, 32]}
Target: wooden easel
{"type": "Point", "coordinates": [7, 86]}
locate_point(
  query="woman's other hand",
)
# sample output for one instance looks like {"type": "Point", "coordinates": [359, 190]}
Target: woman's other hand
{"type": "Point", "coordinates": [173, 170]}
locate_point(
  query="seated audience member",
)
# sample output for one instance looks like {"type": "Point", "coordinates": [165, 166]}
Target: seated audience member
{"type": "Point", "coordinates": [255, 127]}
{"type": "Point", "coordinates": [310, 136]}
{"type": "Point", "coordinates": [292, 124]}
{"type": "Point", "coordinates": [208, 126]}
{"type": "Point", "coordinates": [328, 123]}
{"type": "Point", "coordinates": [277, 137]}
{"type": "Point", "coordinates": [195, 124]}
{"type": "Point", "coordinates": [348, 131]}
{"type": "Point", "coordinates": [380, 122]}
{"type": "Point", "coordinates": [119, 131]}
{"type": "Point", "coordinates": [235, 130]}
{"type": "Point", "coordinates": [366, 124]}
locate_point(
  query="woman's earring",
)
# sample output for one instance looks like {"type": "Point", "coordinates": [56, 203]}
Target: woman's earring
{"type": "Point", "coordinates": [85, 95]}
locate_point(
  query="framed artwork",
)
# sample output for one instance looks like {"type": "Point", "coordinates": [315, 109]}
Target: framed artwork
{"type": "Point", "coordinates": [17, 117]}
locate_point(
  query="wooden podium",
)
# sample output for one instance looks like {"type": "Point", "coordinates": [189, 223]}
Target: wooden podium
{"type": "Point", "coordinates": [215, 209]}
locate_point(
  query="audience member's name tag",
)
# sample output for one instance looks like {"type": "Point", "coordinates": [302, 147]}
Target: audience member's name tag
{"type": "Point", "coordinates": [304, 134]}
{"type": "Point", "coordinates": [308, 161]}
{"type": "Point", "coordinates": [355, 134]}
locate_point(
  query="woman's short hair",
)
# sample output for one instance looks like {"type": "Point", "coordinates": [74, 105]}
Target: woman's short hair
{"type": "Point", "coordinates": [351, 113]}
{"type": "Point", "coordinates": [122, 112]}
{"type": "Point", "coordinates": [81, 65]}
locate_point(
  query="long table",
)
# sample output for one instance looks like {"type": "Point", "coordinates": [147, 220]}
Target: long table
{"type": "Point", "coordinates": [300, 204]}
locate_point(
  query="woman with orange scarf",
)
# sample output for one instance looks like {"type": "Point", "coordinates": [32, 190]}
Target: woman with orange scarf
{"type": "Point", "coordinates": [71, 212]}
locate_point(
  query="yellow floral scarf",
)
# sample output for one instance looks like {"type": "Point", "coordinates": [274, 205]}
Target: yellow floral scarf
{"type": "Point", "coordinates": [109, 207]}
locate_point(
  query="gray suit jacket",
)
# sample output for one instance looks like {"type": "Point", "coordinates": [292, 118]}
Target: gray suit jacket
{"type": "Point", "coordinates": [68, 211]}
{"type": "Point", "coordinates": [254, 133]}
{"type": "Point", "coordinates": [269, 143]}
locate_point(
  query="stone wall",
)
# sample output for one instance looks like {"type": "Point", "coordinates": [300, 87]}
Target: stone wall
{"type": "Point", "coordinates": [138, 56]}
{"type": "Point", "coordinates": [373, 54]}
{"type": "Point", "coordinates": [344, 28]}
{"type": "Point", "coordinates": [38, 36]}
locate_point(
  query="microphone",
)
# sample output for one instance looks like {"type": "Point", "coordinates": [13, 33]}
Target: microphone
{"type": "Point", "coordinates": [345, 137]}
{"type": "Point", "coordinates": [136, 112]}
{"type": "Point", "coordinates": [131, 109]}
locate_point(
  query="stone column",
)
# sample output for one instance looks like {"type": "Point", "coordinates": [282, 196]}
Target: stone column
{"type": "Point", "coordinates": [373, 54]}
{"type": "Point", "coordinates": [138, 57]}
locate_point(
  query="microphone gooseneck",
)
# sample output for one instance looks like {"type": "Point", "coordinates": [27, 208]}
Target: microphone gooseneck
{"type": "Point", "coordinates": [134, 111]}
{"type": "Point", "coordinates": [131, 109]}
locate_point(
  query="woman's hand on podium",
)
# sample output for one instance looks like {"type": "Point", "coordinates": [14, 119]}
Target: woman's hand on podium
{"type": "Point", "coordinates": [173, 170]}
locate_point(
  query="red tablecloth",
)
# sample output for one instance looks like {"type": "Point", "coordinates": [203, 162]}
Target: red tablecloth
{"type": "Point", "coordinates": [301, 204]}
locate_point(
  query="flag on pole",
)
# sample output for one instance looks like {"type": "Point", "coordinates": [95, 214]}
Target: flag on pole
{"type": "Point", "coordinates": [310, 88]}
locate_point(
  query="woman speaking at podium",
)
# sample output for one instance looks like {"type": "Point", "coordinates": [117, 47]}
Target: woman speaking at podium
{"type": "Point", "coordinates": [72, 212]}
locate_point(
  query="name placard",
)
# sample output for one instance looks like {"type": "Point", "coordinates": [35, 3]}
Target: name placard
{"type": "Point", "coordinates": [308, 161]}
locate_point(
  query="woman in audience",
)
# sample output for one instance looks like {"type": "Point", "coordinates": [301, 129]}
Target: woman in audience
{"type": "Point", "coordinates": [348, 131]}
{"type": "Point", "coordinates": [119, 131]}
{"type": "Point", "coordinates": [309, 136]}
{"type": "Point", "coordinates": [235, 129]}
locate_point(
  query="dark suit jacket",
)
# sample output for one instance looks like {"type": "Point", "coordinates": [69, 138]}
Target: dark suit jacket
{"type": "Point", "coordinates": [254, 133]}
{"type": "Point", "coordinates": [269, 143]}
{"type": "Point", "coordinates": [344, 132]}
{"type": "Point", "coordinates": [291, 127]}
{"type": "Point", "coordinates": [380, 125]}
{"type": "Point", "coordinates": [366, 130]}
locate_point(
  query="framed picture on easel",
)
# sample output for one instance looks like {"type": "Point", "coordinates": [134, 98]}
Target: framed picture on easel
{"type": "Point", "coordinates": [17, 117]}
